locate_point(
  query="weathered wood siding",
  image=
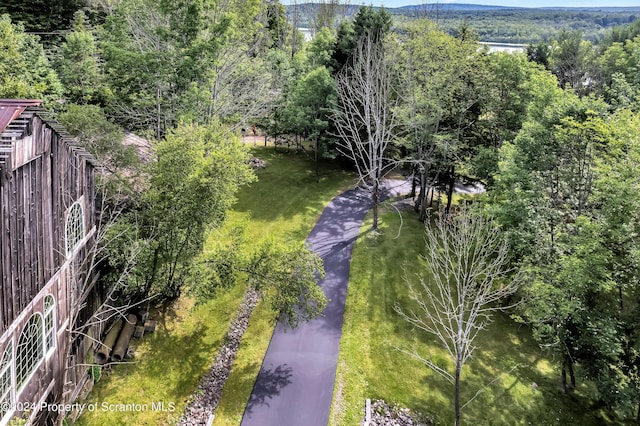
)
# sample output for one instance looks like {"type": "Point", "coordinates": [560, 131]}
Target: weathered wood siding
{"type": "Point", "coordinates": [47, 174]}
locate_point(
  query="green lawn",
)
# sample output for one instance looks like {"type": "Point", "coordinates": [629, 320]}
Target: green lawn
{"type": "Point", "coordinates": [372, 365]}
{"type": "Point", "coordinates": [283, 204]}
{"type": "Point", "coordinates": [167, 364]}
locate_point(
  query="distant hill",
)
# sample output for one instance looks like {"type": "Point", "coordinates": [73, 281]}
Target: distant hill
{"type": "Point", "coordinates": [497, 24]}
{"type": "Point", "coordinates": [308, 9]}
{"type": "Point", "coordinates": [460, 7]}
{"type": "Point", "coordinates": [351, 9]}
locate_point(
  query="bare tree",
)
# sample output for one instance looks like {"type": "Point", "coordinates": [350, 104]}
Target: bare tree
{"type": "Point", "coordinates": [241, 87]}
{"type": "Point", "coordinates": [364, 117]}
{"type": "Point", "coordinates": [325, 14]}
{"type": "Point", "coordinates": [467, 264]}
{"type": "Point", "coordinates": [101, 306]}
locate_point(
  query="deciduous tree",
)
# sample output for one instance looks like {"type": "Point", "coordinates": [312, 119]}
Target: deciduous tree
{"type": "Point", "coordinates": [286, 276]}
{"type": "Point", "coordinates": [467, 278]}
{"type": "Point", "coordinates": [365, 117]}
{"type": "Point", "coordinates": [193, 181]}
{"type": "Point", "coordinates": [25, 71]}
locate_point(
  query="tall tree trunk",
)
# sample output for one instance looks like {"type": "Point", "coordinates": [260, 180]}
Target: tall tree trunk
{"type": "Point", "coordinates": [316, 159]}
{"type": "Point", "coordinates": [457, 392]}
{"type": "Point", "coordinates": [158, 112]}
{"type": "Point", "coordinates": [620, 297]}
{"type": "Point", "coordinates": [572, 375]}
{"type": "Point", "coordinates": [412, 194]}
{"type": "Point", "coordinates": [452, 184]}
{"type": "Point", "coordinates": [424, 195]}
{"type": "Point", "coordinates": [374, 195]}
{"type": "Point", "coordinates": [563, 374]}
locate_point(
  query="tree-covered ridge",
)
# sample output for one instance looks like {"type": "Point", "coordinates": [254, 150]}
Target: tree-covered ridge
{"type": "Point", "coordinates": [500, 24]}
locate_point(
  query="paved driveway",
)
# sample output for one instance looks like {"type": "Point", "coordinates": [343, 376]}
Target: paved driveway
{"type": "Point", "coordinates": [295, 384]}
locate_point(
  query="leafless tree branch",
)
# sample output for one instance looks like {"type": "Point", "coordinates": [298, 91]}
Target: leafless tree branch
{"type": "Point", "coordinates": [468, 276]}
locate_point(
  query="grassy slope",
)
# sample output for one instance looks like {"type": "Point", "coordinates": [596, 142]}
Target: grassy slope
{"type": "Point", "coordinates": [284, 204]}
{"type": "Point", "coordinates": [372, 366]}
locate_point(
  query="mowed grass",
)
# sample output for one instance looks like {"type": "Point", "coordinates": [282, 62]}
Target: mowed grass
{"type": "Point", "coordinates": [521, 385]}
{"type": "Point", "coordinates": [283, 204]}
{"type": "Point", "coordinates": [166, 366]}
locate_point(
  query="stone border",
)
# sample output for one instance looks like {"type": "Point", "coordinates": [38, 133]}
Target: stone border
{"type": "Point", "coordinates": [205, 399]}
{"type": "Point", "coordinates": [384, 414]}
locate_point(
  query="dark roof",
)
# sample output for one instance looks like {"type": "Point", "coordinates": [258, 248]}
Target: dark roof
{"type": "Point", "coordinates": [10, 109]}
{"type": "Point", "coordinates": [14, 122]}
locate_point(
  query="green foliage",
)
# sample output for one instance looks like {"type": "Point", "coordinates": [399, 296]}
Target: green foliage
{"type": "Point", "coordinates": [564, 194]}
{"type": "Point", "coordinates": [509, 89]}
{"type": "Point", "coordinates": [25, 71]}
{"type": "Point", "coordinates": [368, 22]}
{"type": "Point", "coordinates": [42, 15]}
{"type": "Point", "coordinates": [571, 60]}
{"type": "Point", "coordinates": [95, 372]}
{"type": "Point", "coordinates": [78, 65]}
{"type": "Point", "coordinates": [320, 49]}
{"type": "Point", "coordinates": [198, 170]}
{"type": "Point", "coordinates": [533, 25]}
{"type": "Point", "coordinates": [309, 108]}
{"type": "Point", "coordinates": [286, 275]}
{"type": "Point", "coordinates": [449, 106]}
{"type": "Point", "coordinates": [539, 53]}
{"type": "Point", "coordinates": [373, 23]}
{"type": "Point", "coordinates": [158, 59]}
{"type": "Point", "coordinates": [277, 24]}
{"type": "Point", "coordinates": [618, 65]}
{"type": "Point", "coordinates": [102, 138]}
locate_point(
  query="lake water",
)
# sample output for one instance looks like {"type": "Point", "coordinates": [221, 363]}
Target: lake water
{"type": "Point", "coordinates": [505, 47]}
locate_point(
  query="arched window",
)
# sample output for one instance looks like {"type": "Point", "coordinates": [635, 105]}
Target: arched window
{"type": "Point", "coordinates": [74, 227]}
{"type": "Point", "coordinates": [49, 323]}
{"type": "Point", "coordinates": [30, 350]}
{"type": "Point", "coordinates": [7, 390]}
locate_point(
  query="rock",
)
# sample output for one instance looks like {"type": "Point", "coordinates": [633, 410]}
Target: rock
{"type": "Point", "coordinates": [257, 163]}
{"type": "Point", "coordinates": [205, 400]}
{"type": "Point", "coordinates": [383, 414]}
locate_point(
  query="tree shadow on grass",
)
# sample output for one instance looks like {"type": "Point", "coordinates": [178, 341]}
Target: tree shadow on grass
{"type": "Point", "coordinates": [288, 187]}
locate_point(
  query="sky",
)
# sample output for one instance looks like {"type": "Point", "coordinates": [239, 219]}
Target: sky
{"type": "Point", "coordinates": [512, 3]}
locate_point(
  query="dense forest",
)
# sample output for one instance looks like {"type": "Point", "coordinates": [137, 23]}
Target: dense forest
{"type": "Point", "coordinates": [493, 23]}
{"type": "Point", "coordinates": [553, 134]}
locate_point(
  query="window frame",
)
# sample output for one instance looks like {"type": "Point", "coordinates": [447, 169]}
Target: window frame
{"type": "Point", "coordinates": [49, 328]}
{"type": "Point", "coordinates": [33, 357]}
{"type": "Point", "coordinates": [74, 226]}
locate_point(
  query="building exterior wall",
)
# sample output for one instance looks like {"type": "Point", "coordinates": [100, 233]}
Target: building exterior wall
{"type": "Point", "coordinates": [47, 231]}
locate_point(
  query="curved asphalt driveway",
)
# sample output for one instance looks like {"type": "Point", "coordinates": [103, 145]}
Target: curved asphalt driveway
{"type": "Point", "coordinates": [295, 384]}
